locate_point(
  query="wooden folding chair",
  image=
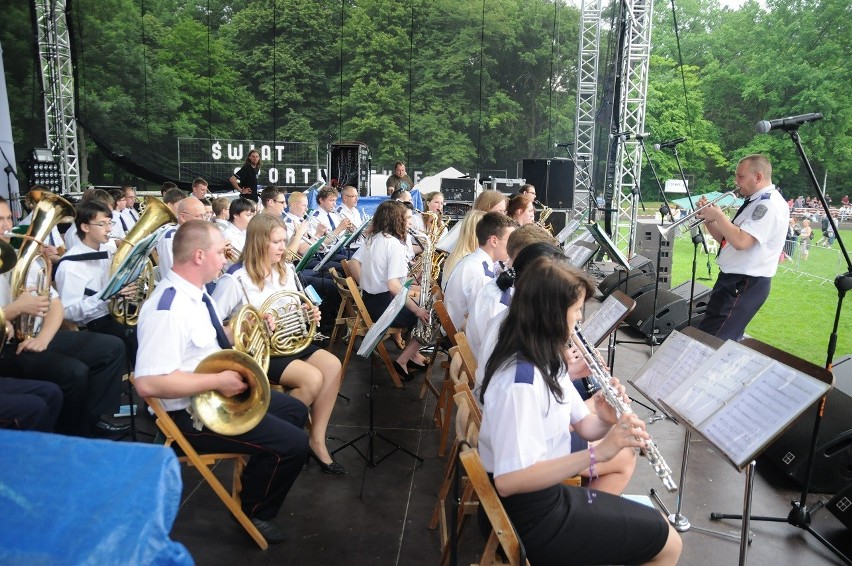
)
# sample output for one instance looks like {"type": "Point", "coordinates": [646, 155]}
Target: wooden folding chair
{"type": "Point", "coordinates": [204, 464]}
{"type": "Point", "coordinates": [345, 313]}
{"type": "Point", "coordinates": [363, 322]}
{"type": "Point", "coordinates": [503, 533]}
{"type": "Point", "coordinates": [444, 406]}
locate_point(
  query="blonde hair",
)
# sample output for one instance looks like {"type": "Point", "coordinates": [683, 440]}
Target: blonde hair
{"type": "Point", "coordinates": [488, 200]}
{"type": "Point", "coordinates": [467, 241]}
{"type": "Point", "coordinates": [256, 251]}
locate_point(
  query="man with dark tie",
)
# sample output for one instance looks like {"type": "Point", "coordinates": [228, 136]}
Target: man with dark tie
{"type": "Point", "coordinates": [179, 327]}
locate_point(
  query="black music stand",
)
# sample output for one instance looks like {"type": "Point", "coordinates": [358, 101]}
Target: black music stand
{"type": "Point", "coordinates": [371, 339]}
{"type": "Point", "coordinates": [792, 383]}
{"type": "Point", "coordinates": [800, 514]}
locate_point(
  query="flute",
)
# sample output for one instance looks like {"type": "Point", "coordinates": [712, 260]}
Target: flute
{"type": "Point", "coordinates": [601, 378]}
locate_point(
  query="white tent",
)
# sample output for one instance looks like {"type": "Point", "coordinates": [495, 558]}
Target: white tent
{"type": "Point", "coordinates": [433, 182]}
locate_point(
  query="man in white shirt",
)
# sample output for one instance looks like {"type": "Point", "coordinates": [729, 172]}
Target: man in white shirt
{"type": "Point", "coordinates": [131, 217]}
{"type": "Point", "coordinates": [478, 268]}
{"type": "Point", "coordinates": [749, 247]}
{"type": "Point", "coordinates": [199, 188]}
{"type": "Point", "coordinates": [189, 208]}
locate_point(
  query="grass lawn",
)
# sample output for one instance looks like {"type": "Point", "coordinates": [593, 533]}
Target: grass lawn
{"type": "Point", "coordinates": [799, 314]}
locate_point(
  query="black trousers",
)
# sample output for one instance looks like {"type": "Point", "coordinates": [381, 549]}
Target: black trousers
{"type": "Point", "coordinates": [278, 446]}
{"type": "Point", "coordinates": [127, 334]}
{"type": "Point", "coordinates": [86, 366]}
{"type": "Point", "coordinates": [26, 404]}
{"type": "Point", "coordinates": [733, 303]}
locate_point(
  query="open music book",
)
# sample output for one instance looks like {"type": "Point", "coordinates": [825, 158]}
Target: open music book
{"type": "Point", "coordinates": [606, 319]}
{"type": "Point", "coordinates": [739, 399]}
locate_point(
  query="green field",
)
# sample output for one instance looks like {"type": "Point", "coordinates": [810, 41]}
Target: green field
{"type": "Point", "coordinates": [799, 314]}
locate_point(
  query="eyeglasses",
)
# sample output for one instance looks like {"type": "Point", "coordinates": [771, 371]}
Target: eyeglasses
{"type": "Point", "coordinates": [102, 224]}
{"type": "Point", "coordinates": [280, 201]}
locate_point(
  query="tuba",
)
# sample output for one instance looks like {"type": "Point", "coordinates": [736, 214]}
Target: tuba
{"type": "Point", "coordinates": [49, 210]}
{"type": "Point", "coordinates": [126, 309]}
{"type": "Point", "coordinates": [230, 416]}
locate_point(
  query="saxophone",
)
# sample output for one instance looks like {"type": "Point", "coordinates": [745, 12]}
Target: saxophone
{"type": "Point", "coordinates": [426, 333]}
{"type": "Point", "coordinates": [601, 378]}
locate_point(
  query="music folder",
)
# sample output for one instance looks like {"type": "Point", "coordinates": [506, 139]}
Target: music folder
{"type": "Point", "coordinates": [309, 254]}
{"type": "Point", "coordinates": [131, 268]}
{"type": "Point", "coordinates": [377, 331]}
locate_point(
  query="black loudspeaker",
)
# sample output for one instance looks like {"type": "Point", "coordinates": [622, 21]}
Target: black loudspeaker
{"type": "Point", "coordinates": [833, 458]}
{"type": "Point", "coordinates": [700, 298]}
{"type": "Point", "coordinates": [553, 180]}
{"type": "Point", "coordinates": [649, 242]}
{"type": "Point", "coordinates": [642, 263]}
{"type": "Point", "coordinates": [633, 283]}
{"type": "Point", "coordinates": [841, 506]}
{"type": "Point", "coordinates": [460, 190]}
{"type": "Point", "coordinates": [672, 311]}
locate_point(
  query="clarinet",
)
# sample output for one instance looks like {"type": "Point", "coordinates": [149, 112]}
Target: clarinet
{"type": "Point", "coordinates": [601, 378]}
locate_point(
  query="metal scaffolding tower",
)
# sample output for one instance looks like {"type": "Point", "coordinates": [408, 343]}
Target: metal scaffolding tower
{"type": "Point", "coordinates": [635, 55]}
{"type": "Point", "coordinates": [54, 49]}
{"type": "Point", "coordinates": [587, 98]}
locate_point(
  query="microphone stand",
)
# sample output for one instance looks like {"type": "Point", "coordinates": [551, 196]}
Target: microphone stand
{"type": "Point", "coordinates": [800, 515]}
{"type": "Point", "coordinates": [699, 237]}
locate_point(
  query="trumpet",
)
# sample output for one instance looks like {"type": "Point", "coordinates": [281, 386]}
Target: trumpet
{"type": "Point", "coordinates": [689, 222]}
{"type": "Point", "coordinates": [601, 378]}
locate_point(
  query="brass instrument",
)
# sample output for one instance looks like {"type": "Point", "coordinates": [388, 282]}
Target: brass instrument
{"type": "Point", "coordinates": [295, 325]}
{"type": "Point", "coordinates": [48, 212]}
{"type": "Point", "coordinates": [426, 333]}
{"type": "Point", "coordinates": [545, 213]}
{"type": "Point", "coordinates": [230, 416]}
{"type": "Point", "coordinates": [688, 222]}
{"type": "Point", "coordinates": [126, 309]}
{"type": "Point", "coordinates": [602, 379]}
{"type": "Point", "coordinates": [433, 234]}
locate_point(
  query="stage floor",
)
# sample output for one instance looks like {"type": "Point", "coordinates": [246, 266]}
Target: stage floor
{"type": "Point", "coordinates": [329, 521]}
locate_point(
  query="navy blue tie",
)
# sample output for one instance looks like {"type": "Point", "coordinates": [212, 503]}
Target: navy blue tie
{"type": "Point", "coordinates": [330, 221]}
{"type": "Point", "coordinates": [221, 337]}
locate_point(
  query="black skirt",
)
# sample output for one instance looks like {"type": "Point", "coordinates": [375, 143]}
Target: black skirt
{"type": "Point", "coordinates": [377, 304]}
{"type": "Point", "coordinates": [277, 364]}
{"type": "Point", "coordinates": [574, 525]}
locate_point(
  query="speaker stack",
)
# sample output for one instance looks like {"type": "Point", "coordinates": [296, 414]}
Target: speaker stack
{"type": "Point", "coordinates": [553, 180]}
{"type": "Point", "coordinates": [832, 471]}
{"type": "Point", "coordinates": [648, 242]}
{"type": "Point", "coordinates": [348, 163]}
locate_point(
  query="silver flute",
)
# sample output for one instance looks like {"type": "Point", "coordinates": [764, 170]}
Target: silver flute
{"type": "Point", "coordinates": [602, 379]}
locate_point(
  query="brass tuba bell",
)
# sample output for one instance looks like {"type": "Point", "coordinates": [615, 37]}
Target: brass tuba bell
{"type": "Point", "coordinates": [126, 309]}
{"type": "Point", "coordinates": [230, 416]}
{"type": "Point", "coordinates": [49, 210]}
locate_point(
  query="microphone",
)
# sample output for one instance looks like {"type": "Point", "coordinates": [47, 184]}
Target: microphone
{"type": "Point", "coordinates": [566, 144]}
{"type": "Point", "coordinates": [629, 136]}
{"type": "Point", "coordinates": [667, 144]}
{"type": "Point", "coordinates": [786, 124]}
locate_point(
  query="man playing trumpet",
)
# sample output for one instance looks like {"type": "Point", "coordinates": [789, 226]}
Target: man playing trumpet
{"type": "Point", "coordinates": [749, 246]}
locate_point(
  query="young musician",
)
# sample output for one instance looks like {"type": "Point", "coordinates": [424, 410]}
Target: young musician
{"type": "Point", "coordinates": [327, 214]}
{"type": "Point", "coordinates": [521, 209]}
{"type": "Point", "coordinates": [178, 327]}
{"type": "Point", "coordinates": [313, 373]}
{"type": "Point", "coordinates": [84, 272]}
{"type": "Point", "coordinates": [491, 201]}
{"type": "Point", "coordinates": [475, 270]}
{"type": "Point", "coordinates": [187, 209]}
{"type": "Point", "coordinates": [87, 367]}
{"type": "Point", "coordinates": [380, 266]}
{"type": "Point", "coordinates": [526, 444]}
{"type": "Point", "coordinates": [240, 213]}
{"type": "Point", "coordinates": [465, 244]}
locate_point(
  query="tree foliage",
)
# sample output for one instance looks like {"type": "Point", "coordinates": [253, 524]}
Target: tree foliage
{"type": "Point", "coordinates": [477, 85]}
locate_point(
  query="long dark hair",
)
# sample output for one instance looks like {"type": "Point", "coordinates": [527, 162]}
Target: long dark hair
{"type": "Point", "coordinates": [536, 327]}
{"type": "Point", "coordinates": [390, 219]}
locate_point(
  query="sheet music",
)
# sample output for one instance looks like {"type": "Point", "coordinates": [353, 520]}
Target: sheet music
{"type": "Point", "coordinates": [719, 378]}
{"type": "Point", "coordinates": [605, 318]}
{"type": "Point", "coordinates": [377, 331]}
{"type": "Point", "coordinates": [671, 365]}
{"type": "Point", "coordinates": [751, 418]}
{"type": "Point", "coordinates": [447, 242]}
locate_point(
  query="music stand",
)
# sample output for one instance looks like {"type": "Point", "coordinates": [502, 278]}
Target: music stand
{"type": "Point", "coordinates": [680, 355]}
{"type": "Point", "coordinates": [309, 254]}
{"type": "Point", "coordinates": [581, 249]}
{"type": "Point", "coordinates": [368, 344]}
{"type": "Point", "coordinates": [741, 399]}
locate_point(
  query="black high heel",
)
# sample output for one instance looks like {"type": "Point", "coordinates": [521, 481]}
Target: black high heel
{"type": "Point", "coordinates": [403, 372]}
{"type": "Point", "coordinates": [335, 468]}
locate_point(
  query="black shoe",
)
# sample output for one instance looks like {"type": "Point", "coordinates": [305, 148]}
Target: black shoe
{"type": "Point", "coordinates": [270, 531]}
{"type": "Point", "coordinates": [415, 366]}
{"type": "Point", "coordinates": [403, 372]}
{"type": "Point", "coordinates": [335, 468]}
{"type": "Point", "coordinates": [104, 428]}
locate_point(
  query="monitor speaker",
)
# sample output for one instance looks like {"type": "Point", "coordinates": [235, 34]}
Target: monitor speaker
{"type": "Point", "coordinates": [670, 313]}
{"type": "Point", "coordinates": [553, 180]}
{"type": "Point", "coordinates": [632, 283]}
{"type": "Point", "coordinates": [833, 458]}
{"type": "Point", "coordinates": [841, 505]}
{"type": "Point", "coordinates": [700, 298]}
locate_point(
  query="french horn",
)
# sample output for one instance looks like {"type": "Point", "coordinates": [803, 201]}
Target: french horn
{"type": "Point", "coordinates": [239, 414]}
{"type": "Point", "coordinates": [295, 325]}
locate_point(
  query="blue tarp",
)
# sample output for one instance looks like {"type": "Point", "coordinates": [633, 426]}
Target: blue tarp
{"type": "Point", "coordinates": [67, 500]}
{"type": "Point", "coordinates": [727, 201]}
{"type": "Point", "coordinates": [369, 204]}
